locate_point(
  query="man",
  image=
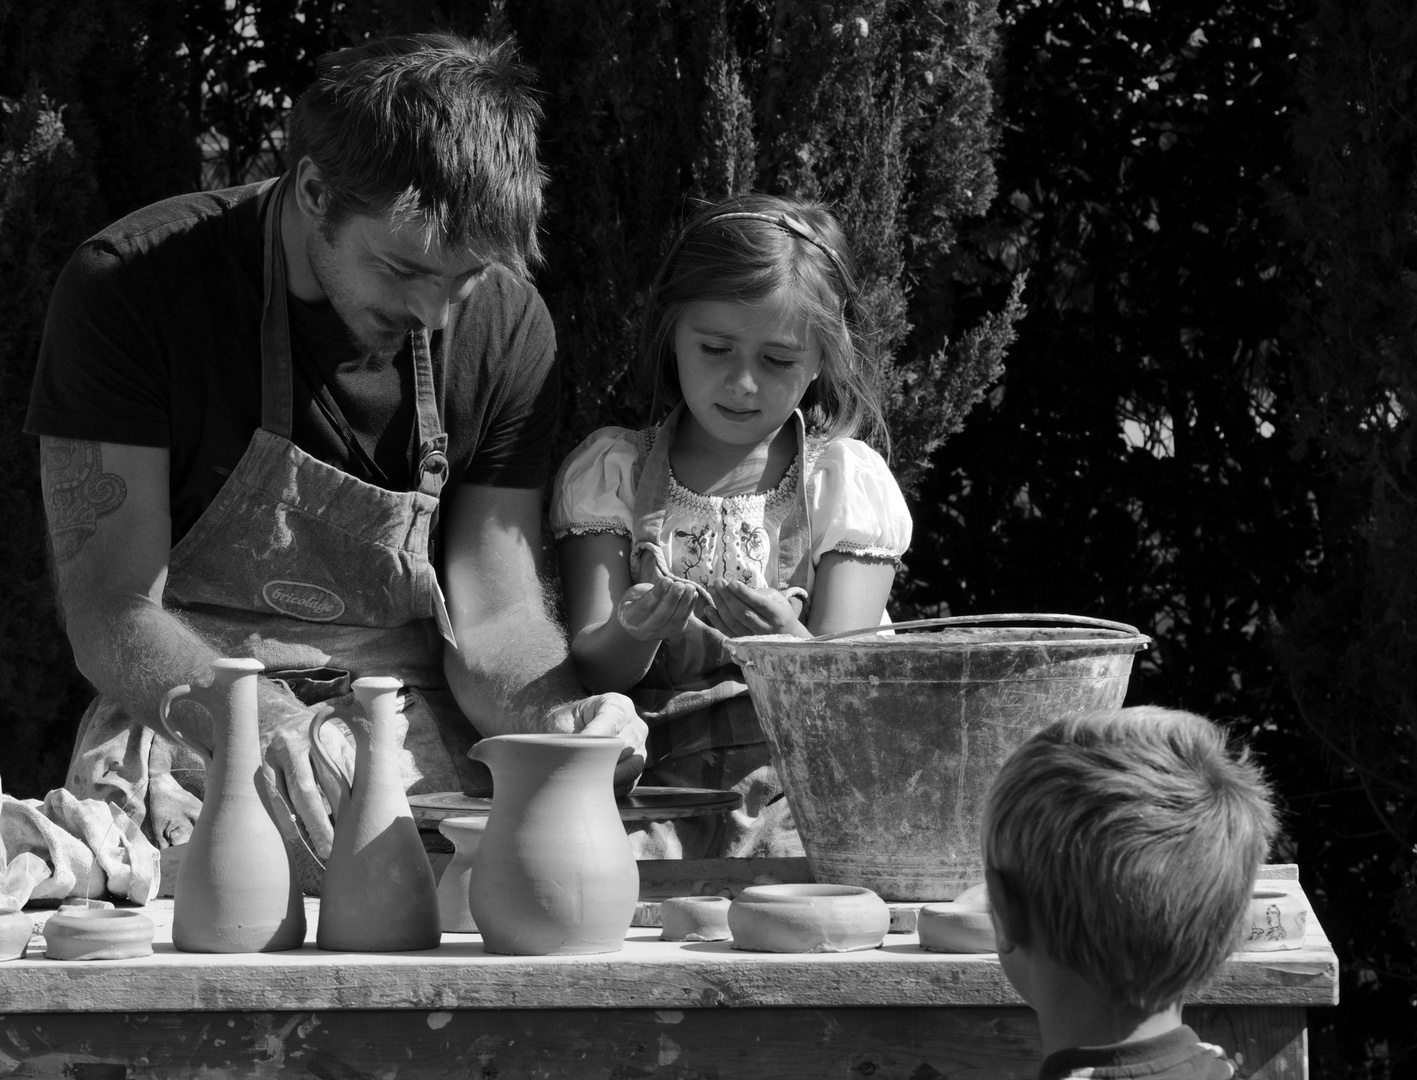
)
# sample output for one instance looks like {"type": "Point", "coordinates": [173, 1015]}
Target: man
{"type": "Point", "coordinates": [309, 421]}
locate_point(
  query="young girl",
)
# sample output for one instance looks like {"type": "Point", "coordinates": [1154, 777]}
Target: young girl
{"type": "Point", "coordinates": [750, 509]}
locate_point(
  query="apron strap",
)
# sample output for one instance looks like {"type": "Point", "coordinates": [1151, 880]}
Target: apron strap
{"type": "Point", "coordinates": [276, 390]}
{"type": "Point", "coordinates": [794, 547]}
{"type": "Point", "coordinates": [431, 469]}
{"type": "Point", "coordinates": [651, 507]}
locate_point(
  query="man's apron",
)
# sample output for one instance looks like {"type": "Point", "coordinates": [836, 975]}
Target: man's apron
{"type": "Point", "coordinates": [317, 574]}
{"type": "Point", "coordinates": [704, 731]}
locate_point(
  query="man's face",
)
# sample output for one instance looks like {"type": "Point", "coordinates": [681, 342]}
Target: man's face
{"type": "Point", "coordinates": [383, 279]}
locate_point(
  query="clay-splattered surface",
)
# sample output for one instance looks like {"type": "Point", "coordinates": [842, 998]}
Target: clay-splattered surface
{"type": "Point", "coordinates": [750, 1044]}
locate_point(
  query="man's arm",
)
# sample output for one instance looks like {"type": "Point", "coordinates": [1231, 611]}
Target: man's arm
{"type": "Point", "coordinates": [511, 666]}
{"type": "Point", "coordinates": [110, 531]}
{"type": "Point", "coordinates": [511, 670]}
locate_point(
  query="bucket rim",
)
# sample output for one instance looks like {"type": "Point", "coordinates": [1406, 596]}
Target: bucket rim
{"type": "Point", "coordinates": [1112, 637]}
{"type": "Point", "coordinates": [785, 646]}
{"type": "Point", "coordinates": [992, 619]}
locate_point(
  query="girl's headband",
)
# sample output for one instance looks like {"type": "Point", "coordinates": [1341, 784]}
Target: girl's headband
{"type": "Point", "coordinates": [794, 225]}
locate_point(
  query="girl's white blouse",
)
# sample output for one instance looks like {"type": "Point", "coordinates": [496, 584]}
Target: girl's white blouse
{"type": "Point", "coordinates": [854, 507]}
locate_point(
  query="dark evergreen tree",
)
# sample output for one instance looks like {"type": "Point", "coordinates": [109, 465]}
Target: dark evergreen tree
{"type": "Point", "coordinates": [1349, 643]}
{"type": "Point", "coordinates": [883, 109]}
{"type": "Point", "coordinates": [1177, 445]}
{"type": "Point", "coordinates": [47, 189]}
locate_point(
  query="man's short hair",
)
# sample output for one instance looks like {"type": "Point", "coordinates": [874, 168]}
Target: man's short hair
{"type": "Point", "coordinates": [434, 127]}
{"type": "Point", "coordinates": [1132, 838]}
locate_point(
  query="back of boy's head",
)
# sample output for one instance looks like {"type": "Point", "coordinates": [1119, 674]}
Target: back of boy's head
{"type": "Point", "coordinates": [1131, 838]}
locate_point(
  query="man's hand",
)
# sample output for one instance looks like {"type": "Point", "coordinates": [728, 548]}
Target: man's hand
{"type": "Point", "coordinates": [741, 611]}
{"type": "Point", "coordinates": [608, 714]}
{"type": "Point", "coordinates": [656, 612]}
{"type": "Point", "coordinates": [302, 780]}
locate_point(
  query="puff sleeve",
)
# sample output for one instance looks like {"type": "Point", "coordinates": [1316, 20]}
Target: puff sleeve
{"type": "Point", "coordinates": [855, 504]}
{"type": "Point", "coordinates": [594, 488]}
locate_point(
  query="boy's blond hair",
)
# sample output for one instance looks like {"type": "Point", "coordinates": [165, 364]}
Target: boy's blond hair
{"type": "Point", "coordinates": [1131, 837]}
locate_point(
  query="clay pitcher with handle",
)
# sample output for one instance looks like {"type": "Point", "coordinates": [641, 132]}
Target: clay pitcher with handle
{"type": "Point", "coordinates": [378, 892]}
{"type": "Point", "coordinates": [236, 891]}
{"type": "Point", "coordinates": [554, 873]}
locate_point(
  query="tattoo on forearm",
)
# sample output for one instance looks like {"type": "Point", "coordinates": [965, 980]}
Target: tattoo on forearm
{"type": "Point", "coordinates": [77, 492]}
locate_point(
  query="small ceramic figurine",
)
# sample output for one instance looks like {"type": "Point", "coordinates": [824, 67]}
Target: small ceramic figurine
{"type": "Point", "coordinates": [1276, 921]}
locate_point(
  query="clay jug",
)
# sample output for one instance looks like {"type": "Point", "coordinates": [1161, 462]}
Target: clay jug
{"type": "Point", "coordinates": [554, 873]}
{"type": "Point", "coordinates": [236, 891]}
{"type": "Point", "coordinates": [378, 892]}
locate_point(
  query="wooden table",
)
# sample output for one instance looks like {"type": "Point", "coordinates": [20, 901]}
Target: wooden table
{"type": "Point", "coordinates": [655, 1009]}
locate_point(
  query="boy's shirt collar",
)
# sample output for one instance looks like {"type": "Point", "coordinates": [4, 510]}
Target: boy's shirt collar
{"type": "Point", "coordinates": [1175, 1055]}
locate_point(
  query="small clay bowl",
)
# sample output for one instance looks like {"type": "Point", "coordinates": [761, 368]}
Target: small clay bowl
{"type": "Point", "coordinates": [804, 918]}
{"type": "Point", "coordinates": [15, 930]}
{"type": "Point", "coordinates": [947, 927]}
{"type": "Point", "coordinates": [97, 934]}
{"type": "Point", "coordinates": [1276, 921]}
{"type": "Point", "coordinates": [695, 918]}
{"type": "Point", "coordinates": [961, 925]}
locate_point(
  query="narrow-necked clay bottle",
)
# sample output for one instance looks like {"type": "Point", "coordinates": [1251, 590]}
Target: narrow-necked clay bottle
{"type": "Point", "coordinates": [236, 891]}
{"type": "Point", "coordinates": [554, 873]}
{"type": "Point", "coordinates": [378, 893]}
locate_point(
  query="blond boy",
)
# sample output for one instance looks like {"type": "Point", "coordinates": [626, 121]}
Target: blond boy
{"type": "Point", "coordinates": [1121, 849]}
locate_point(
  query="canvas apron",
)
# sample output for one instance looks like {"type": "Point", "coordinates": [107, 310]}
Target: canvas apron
{"type": "Point", "coordinates": [316, 573]}
{"type": "Point", "coordinates": [704, 731]}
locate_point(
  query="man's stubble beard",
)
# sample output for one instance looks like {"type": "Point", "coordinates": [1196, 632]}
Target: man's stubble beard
{"type": "Point", "coordinates": [323, 260]}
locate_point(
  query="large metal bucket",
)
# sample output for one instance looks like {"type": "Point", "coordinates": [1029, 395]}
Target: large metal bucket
{"type": "Point", "coordinates": [887, 744]}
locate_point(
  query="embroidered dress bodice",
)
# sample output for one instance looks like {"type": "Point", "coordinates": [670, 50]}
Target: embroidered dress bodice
{"type": "Point", "coordinates": [853, 504]}
{"type": "Point", "coordinates": [711, 539]}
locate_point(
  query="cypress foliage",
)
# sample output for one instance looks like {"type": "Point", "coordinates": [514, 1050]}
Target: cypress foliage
{"type": "Point", "coordinates": [882, 109]}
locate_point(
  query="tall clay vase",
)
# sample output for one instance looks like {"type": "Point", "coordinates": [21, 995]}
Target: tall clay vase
{"type": "Point", "coordinates": [236, 890]}
{"type": "Point", "coordinates": [378, 892]}
{"type": "Point", "coordinates": [554, 873]}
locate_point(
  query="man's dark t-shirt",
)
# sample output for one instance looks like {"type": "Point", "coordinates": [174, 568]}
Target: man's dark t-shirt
{"type": "Point", "coordinates": [153, 339]}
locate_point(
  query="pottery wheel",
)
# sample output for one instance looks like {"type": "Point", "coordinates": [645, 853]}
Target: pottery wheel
{"type": "Point", "coordinates": [644, 804]}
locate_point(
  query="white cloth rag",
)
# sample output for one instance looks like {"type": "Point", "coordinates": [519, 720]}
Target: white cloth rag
{"type": "Point", "coordinates": [90, 848]}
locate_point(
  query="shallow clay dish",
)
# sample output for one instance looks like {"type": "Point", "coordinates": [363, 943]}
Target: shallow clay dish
{"type": "Point", "coordinates": [1276, 921]}
{"type": "Point", "coordinates": [15, 929]}
{"type": "Point", "coordinates": [961, 926]}
{"type": "Point", "coordinates": [97, 934]}
{"type": "Point", "coordinates": [801, 918]}
{"type": "Point", "coordinates": [695, 918]}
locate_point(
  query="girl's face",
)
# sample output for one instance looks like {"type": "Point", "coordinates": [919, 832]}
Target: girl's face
{"type": "Point", "coordinates": [743, 367]}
